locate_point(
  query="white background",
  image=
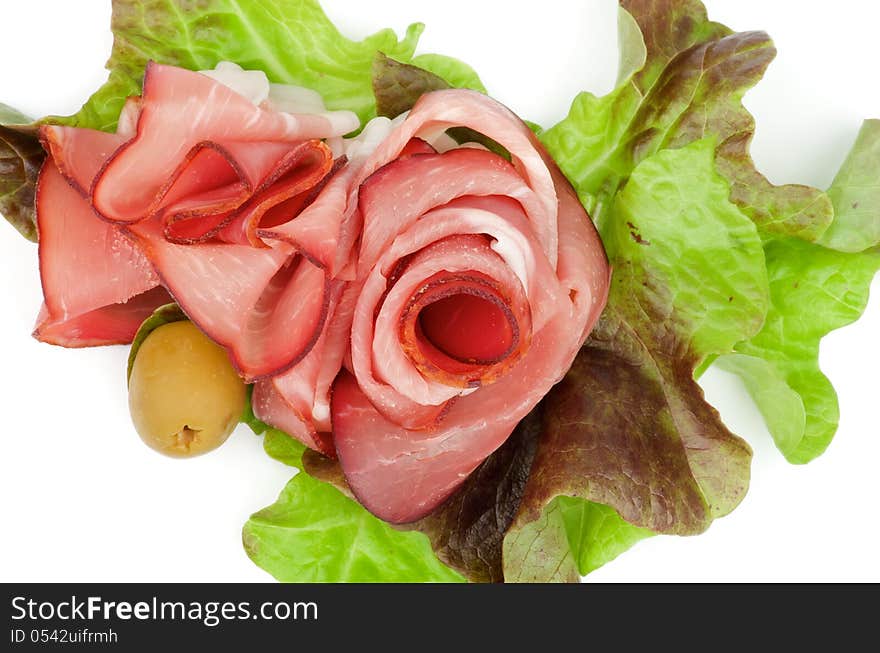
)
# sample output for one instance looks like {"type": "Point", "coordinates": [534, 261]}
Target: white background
{"type": "Point", "coordinates": [81, 499]}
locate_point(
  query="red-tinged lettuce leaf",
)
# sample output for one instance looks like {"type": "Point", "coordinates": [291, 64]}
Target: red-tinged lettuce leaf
{"type": "Point", "coordinates": [21, 156]}
{"type": "Point", "coordinates": [398, 86]}
{"type": "Point", "coordinates": [815, 288]}
{"type": "Point", "coordinates": [642, 447]}
{"type": "Point", "coordinates": [682, 79]}
{"type": "Point", "coordinates": [292, 41]}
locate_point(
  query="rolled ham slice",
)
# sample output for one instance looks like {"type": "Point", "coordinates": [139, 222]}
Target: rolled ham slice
{"type": "Point", "coordinates": [97, 285]}
{"type": "Point", "coordinates": [479, 280]}
{"type": "Point", "coordinates": [179, 111]}
{"type": "Point", "coordinates": [298, 401]}
{"type": "Point", "coordinates": [267, 306]}
{"type": "Point", "coordinates": [114, 324]}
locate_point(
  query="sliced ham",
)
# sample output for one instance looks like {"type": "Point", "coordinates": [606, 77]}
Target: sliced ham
{"type": "Point", "coordinates": [401, 474]}
{"type": "Point", "coordinates": [114, 324]}
{"type": "Point", "coordinates": [329, 229]}
{"type": "Point", "coordinates": [79, 154]}
{"type": "Point", "coordinates": [282, 195]}
{"type": "Point", "coordinates": [265, 305]}
{"type": "Point", "coordinates": [97, 285]}
{"type": "Point", "coordinates": [439, 111]}
{"type": "Point", "coordinates": [179, 110]}
{"type": "Point", "coordinates": [298, 401]}
{"type": "Point", "coordinates": [262, 295]}
{"type": "Point", "coordinates": [211, 190]}
{"type": "Point", "coordinates": [479, 280]}
{"type": "Point", "coordinates": [418, 183]}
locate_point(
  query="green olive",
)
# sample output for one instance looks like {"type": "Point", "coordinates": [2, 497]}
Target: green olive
{"type": "Point", "coordinates": [184, 396]}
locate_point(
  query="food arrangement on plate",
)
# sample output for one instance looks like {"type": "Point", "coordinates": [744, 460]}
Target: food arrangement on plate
{"type": "Point", "coordinates": [477, 339]}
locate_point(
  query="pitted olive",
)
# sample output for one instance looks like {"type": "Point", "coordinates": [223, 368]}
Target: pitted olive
{"type": "Point", "coordinates": [184, 395]}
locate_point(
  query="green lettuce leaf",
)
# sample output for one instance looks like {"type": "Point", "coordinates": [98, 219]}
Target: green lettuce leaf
{"type": "Point", "coordinates": [782, 407]}
{"type": "Point", "coordinates": [855, 194]}
{"type": "Point", "coordinates": [814, 291]}
{"type": "Point", "coordinates": [315, 533]}
{"type": "Point", "coordinates": [571, 538]}
{"type": "Point", "coordinates": [292, 41]}
{"type": "Point", "coordinates": [596, 534]}
{"type": "Point", "coordinates": [21, 157]}
{"type": "Point", "coordinates": [283, 448]}
{"type": "Point", "coordinates": [454, 72]}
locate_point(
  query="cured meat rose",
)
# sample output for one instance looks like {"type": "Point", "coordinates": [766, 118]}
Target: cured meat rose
{"type": "Point", "coordinates": [400, 301]}
{"type": "Point", "coordinates": [478, 279]}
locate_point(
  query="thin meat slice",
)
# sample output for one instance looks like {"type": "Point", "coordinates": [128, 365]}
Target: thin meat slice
{"type": "Point", "coordinates": [78, 153]}
{"type": "Point", "coordinates": [92, 275]}
{"type": "Point", "coordinates": [323, 229]}
{"type": "Point", "coordinates": [213, 181]}
{"type": "Point", "coordinates": [436, 112]}
{"type": "Point", "coordinates": [178, 110]}
{"type": "Point", "coordinates": [228, 192]}
{"type": "Point", "coordinates": [401, 474]}
{"type": "Point", "coordinates": [328, 230]}
{"type": "Point", "coordinates": [265, 305]}
{"type": "Point", "coordinates": [417, 146]}
{"type": "Point", "coordinates": [282, 195]}
{"type": "Point", "coordinates": [115, 324]}
{"type": "Point", "coordinates": [453, 329]}
{"type": "Point", "coordinates": [297, 401]}
{"type": "Point", "coordinates": [283, 402]}
{"type": "Point", "coordinates": [412, 352]}
{"type": "Point", "coordinates": [397, 195]}
{"type": "Point", "coordinates": [206, 187]}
